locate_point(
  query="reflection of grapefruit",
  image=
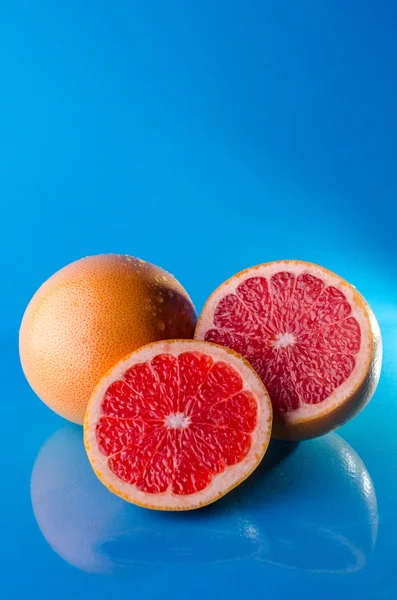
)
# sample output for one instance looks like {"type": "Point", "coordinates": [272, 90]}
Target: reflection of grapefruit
{"type": "Point", "coordinates": [310, 336]}
{"type": "Point", "coordinates": [88, 316]}
{"type": "Point", "coordinates": [334, 524]}
{"type": "Point", "coordinates": [177, 424]}
{"type": "Point", "coordinates": [98, 532]}
{"type": "Point", "coordinates": [332, 528]}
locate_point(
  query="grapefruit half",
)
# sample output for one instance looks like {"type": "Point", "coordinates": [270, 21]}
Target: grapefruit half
{"type": "Point", "coordinates": [310, 336]}
{"type": "Point", "coordinates": [177, 424]}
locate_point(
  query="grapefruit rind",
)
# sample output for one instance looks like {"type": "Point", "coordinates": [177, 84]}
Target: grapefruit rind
{"type": "Point", "coordinates": [221, 483]}
{"type": "Point", "coordinates": [354, 393]}
{"type": "Point", "coordinates": [90, 314]}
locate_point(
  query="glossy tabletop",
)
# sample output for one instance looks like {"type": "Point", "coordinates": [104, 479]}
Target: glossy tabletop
{"type": "Point", "coordinates": [205, 137]}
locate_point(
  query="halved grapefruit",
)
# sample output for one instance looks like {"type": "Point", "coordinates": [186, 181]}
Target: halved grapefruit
{"type": "Point", "coordinates": [177, 424]}
{"type": "Point", "coordinates": [310, 336]}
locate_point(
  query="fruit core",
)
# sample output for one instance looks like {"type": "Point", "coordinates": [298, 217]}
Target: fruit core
{"type": "Point", "coordinates": [283, 340]}
{"type": "Point", "coordinates": [175, 420]}
{"type": "Point", "coordinates": [172, 424]}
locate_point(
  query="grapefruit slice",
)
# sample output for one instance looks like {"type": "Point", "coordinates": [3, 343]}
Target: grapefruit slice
{"type": "Point", "coordinates": [177, 424]}
{"type": "Point", "coordinates": [310, 336]}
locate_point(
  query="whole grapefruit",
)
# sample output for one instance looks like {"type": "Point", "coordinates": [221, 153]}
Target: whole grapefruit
{"type": "Point", "coordinates": [88, 316]}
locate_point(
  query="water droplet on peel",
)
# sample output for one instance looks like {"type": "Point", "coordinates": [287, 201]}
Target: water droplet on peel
{"type": "Point", "coordinates": [170, 293]}
{"type": "Point", "coordinates": [160, 299]}
{"type": "Point", "coordinates": [161, 325]}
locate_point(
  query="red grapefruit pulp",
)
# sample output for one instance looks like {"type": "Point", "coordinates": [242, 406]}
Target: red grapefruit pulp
{"type": "Point", "coordinates": [310, 336]}
{"type": "Point", "coordinates": [177, 424]}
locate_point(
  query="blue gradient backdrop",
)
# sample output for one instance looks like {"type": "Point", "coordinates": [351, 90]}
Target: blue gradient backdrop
{"type": "Point", "coordinates": [205, 137]}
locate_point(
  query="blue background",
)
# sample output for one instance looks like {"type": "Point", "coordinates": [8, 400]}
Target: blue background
{"type": "Point", "coordinates": [205, 137]}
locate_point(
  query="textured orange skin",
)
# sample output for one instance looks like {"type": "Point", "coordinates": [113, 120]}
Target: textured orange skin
{"type": "Point", "coordinates": [360, 395]}
{"type": "Point", "coordinates": [91, 314]}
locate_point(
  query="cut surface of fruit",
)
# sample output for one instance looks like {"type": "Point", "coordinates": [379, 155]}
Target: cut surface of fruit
{"type": "Point", "coordinates": [91, 314]}
{"type": "Point", "coordinates": [310, 336]}
{"type": "Point", "coordinates": [177, 424]}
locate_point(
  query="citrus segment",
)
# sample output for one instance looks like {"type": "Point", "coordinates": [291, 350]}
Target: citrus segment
{"type": "Point", "coordinates": [309, 335]}
{"type": "Point", "coordinates": [177, 424]}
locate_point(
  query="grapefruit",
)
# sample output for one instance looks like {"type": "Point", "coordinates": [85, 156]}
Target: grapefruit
{"type": "Point", "coordinates": [177, 424]}
{"type": "Point", "coordinates": [88, 316]}
{"type": "Point", "coordinates": [310, 336]}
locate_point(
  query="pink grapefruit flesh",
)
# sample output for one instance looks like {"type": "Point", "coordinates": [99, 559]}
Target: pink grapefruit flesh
{"type": "Point", "coordinates": [310, 336]}
{"type": "Point", "coordinates": [177, 424]}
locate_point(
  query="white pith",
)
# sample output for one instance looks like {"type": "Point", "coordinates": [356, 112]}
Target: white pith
{"type": "Point", "coordinates": [221, 482]}
{"type": "Point", "coordinates": [284, 340]}
{"type": "Point", "coordinates": [177, 420]}
{"type": "Point", "coordinates": [366, 320]}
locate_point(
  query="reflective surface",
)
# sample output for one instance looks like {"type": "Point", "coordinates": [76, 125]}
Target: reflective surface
{"type": "Point", "coordinates": [317, 517]}
{"type": "Point", "coordinates": [205, 137]}
{"type": "Point", "coordinates": [99, 533]}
